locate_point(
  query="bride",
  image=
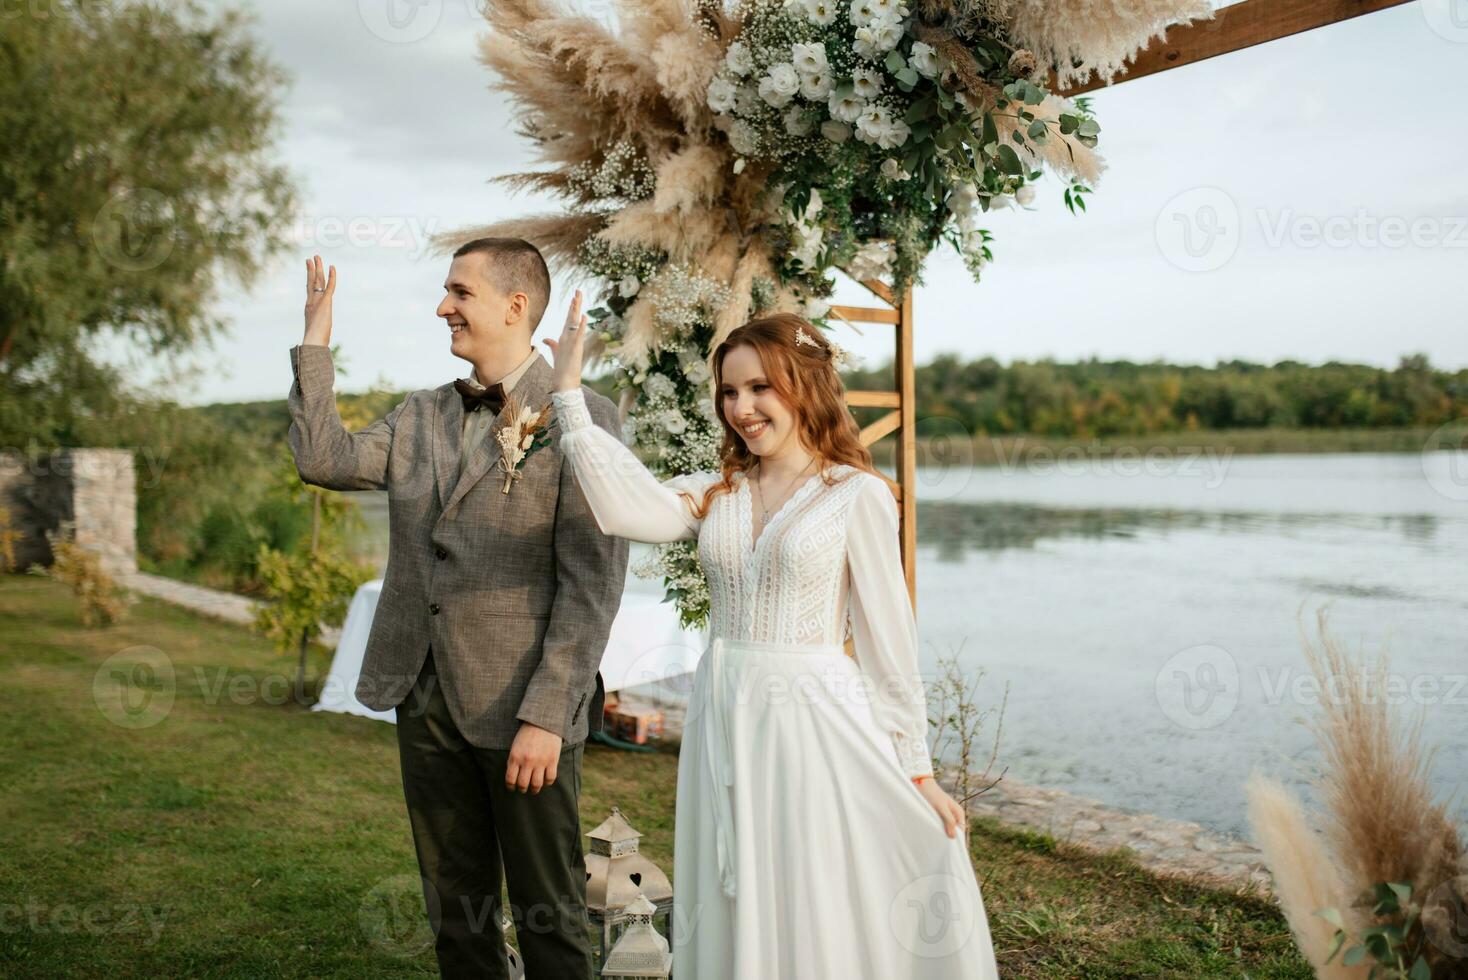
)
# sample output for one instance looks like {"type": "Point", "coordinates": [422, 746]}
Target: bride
{"type": "Point", "coordinates": [811, 841]}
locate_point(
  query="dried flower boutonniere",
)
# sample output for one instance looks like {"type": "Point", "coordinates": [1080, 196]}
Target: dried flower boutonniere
{"type": "Point", "coordinates": [522, 433]}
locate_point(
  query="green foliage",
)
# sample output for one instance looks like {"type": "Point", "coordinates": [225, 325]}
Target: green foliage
{"type": "Point", "coordinates": [1396, 946]}
{"type": "Point", "coordinates": [9, 537]}
{"type": "Point", "coordinates": [134, 174]}
{"type": "Point", "coordinates": [1103, 398]}
{"type": "Point", "coordinates": [303, 591]}
{"type": "Point", "coordinates": [102, 601]}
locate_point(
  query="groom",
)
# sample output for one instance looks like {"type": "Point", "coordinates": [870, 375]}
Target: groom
{"type": "Point", "coordinates": [494, 612]}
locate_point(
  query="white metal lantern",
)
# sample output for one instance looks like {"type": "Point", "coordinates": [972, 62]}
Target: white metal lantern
{"type": "Point", "coordinates": [640, 952]}
{"type": "Point", "coordinates": [616, 873]}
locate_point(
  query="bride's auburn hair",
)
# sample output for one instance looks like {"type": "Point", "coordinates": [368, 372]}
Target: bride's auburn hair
{"type": "Point", "coordinates": [804, 376]}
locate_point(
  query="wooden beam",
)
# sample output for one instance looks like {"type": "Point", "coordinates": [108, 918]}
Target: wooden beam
{"type": "Point", "coordinates": [864, 314]}
{"type": "Point", "coordinates": [873, 399]}
{"type": "Point", "coordinates": [884, 426]}
{"type": "Point", "coordinates": [906, 456]}
{"type": "Point", "coordinates": [881, 290]}
{"type": "Point", "coordinates": [1233, 28]}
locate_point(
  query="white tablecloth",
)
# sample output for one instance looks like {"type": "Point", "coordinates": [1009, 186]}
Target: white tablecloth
{"type": "Point", "coordinates": [646, 646]}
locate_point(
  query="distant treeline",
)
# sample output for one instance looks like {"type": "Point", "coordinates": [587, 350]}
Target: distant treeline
{"type": "Point", "coordinates": [1102, 398]}
{"type": "Point", "coordinates": [217, 481]}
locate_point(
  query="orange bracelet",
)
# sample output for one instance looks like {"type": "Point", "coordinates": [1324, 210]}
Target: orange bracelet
{"type": "Point", "coordinates": [918, 779]}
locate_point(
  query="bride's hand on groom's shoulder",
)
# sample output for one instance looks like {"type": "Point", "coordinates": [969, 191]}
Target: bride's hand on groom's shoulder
{"type": "Point", "coordinates": [567, 352]}
{"type": "Point", "coordinates": [320, 288]}
{"type": "Point", "coordinates": [955, 818]}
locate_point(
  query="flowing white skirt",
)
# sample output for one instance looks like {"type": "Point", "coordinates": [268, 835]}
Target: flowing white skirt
{"type": "Point", "coordinates": [802, 851]}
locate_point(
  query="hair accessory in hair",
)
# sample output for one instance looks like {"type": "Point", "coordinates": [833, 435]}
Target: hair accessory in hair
{"type": "Point", "coordinates": [801, 337]}
{"type": "Point", "coordinates": [840, 356]}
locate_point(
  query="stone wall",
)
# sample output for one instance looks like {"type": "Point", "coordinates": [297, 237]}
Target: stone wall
{"type": "Point", "coordinates": [94, 488]}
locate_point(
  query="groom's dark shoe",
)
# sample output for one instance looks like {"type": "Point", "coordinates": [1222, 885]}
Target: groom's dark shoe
{"type": "Point", "coordinates": [469, 830]}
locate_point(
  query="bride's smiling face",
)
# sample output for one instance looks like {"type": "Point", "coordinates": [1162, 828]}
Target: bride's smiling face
{"type": "Point", "coordinates": [761, 417]}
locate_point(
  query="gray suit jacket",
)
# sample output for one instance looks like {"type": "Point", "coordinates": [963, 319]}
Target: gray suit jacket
{"type": "Point", "coordinates": [515, 592]}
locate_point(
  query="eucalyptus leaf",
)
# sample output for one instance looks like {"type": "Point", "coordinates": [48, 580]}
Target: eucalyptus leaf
{"type": "Point", "coordinates": [1008, 160]}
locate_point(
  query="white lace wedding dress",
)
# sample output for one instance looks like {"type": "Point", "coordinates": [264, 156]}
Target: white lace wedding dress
{"type": "Point", "coordinates": [802, 849]}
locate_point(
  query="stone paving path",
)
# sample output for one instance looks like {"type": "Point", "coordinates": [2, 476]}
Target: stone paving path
{"type": "Point", "coordinates": [211, 602]}
{"type": "Point", "coordinates": [1160, 844]}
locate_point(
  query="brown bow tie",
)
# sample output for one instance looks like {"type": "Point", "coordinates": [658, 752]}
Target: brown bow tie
{"type": "Point", "coordinates": [492, 398]}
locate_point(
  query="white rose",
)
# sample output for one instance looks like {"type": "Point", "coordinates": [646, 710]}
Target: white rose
{"type": "Point", "coordinates": [820, 12]}
{"type": "Point", "coordinates": [779, 85]}
{"type": "Point", "coordinates": [815, 308]}
{"type": "Point", "coordinates": [695, 369]}
{"type": "Point", "coordinates": [862, 12]}
{"type": "Point", "coordinates": [721, 95]}
{"type": "Point", "coordinates": [659, 385]}
{"type": "Point", "coordinates": [893, 135]}
{"type": "Point", "coordinates": [747, 100]}
{"type": "Point", "coordinates": [1025, 195]}
{"type": "Point", "coordinates": [797, 123]}
{"type": "Point", "coordinates": [867, 82]}
{"type": "Point", "coordinates": [891, 9]}
{"type": "Point", "coordinates": [886, 32]}
{"type": "Point", "coordinates": [807, 253]}
{"type": "Point", "coordinates": [836, 132]}
{"type": "Point", "coordinates": [674, 422]}
{"type": "Point", "coordinates": [872, 261]}
{"type": "Point", "coordinates": [845, 108]}
{"type": "Point", "coordinates": [871, 122]}
{"type": "Point", "coordinates": [877, 38]}
{"type": "Point", "coordinates": [629, 285]}
{"type": "Point", "coordinates": [743, 138]}
{"type": "Point", "coordinates": [738, 59]}
{"type": "Point", "coordinates": [892, 170]}
{"type": "Point", "coordinates": [817, 86]}
{"type": "Point", "coordinates": [809, 59]}
{"type": "Point", "coordinates": [925, 60]}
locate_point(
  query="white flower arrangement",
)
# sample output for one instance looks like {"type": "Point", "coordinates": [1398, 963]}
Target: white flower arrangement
{"type": "Point", "coordinates": [856, 135]}
{"type": "Point", "coordinates": [859, 96]}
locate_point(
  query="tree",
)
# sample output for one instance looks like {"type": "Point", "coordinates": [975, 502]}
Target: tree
{"type": "Point", "coordinates": [134, 173]}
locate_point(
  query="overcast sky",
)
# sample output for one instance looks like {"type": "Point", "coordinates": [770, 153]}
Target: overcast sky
{"type": "Point", "coordinates": [1301, 199]}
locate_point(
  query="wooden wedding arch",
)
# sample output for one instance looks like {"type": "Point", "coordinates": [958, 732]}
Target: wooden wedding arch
{"type": "Point", "coordinates": [1232, 28]}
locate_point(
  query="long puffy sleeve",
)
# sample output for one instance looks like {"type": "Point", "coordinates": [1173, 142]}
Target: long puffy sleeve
{"type": "Point", "coordinates": [626, 499]}
{"type": "Point", "coordinates": [883, 628]}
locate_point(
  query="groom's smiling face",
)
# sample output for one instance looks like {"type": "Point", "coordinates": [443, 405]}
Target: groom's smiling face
{"type": "Point", "coordinates": [479, 316]}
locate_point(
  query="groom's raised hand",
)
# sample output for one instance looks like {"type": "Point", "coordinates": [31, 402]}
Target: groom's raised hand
{"type": "Point", "coordinates": [320, 288]}
{"type": "Point", "coordinates": [533, 758]}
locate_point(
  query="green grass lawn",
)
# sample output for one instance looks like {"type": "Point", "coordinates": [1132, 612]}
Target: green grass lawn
{"type": "Point", "coordinates": [238, 835]}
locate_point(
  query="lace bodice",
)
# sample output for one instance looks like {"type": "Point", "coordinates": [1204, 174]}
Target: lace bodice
{"type": "Point", "coordinates": [827, 560]}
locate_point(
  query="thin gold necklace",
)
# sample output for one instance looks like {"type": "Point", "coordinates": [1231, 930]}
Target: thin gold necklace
{"type": "Point", "coordinates": [764, 511]}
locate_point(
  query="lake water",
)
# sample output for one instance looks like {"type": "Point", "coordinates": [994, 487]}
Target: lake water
{"type": "Point", "coordinates": [1149, 623]}
{"type": "Point", "coordinates": [1147, 615]}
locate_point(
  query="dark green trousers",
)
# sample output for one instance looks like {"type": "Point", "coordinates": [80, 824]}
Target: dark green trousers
{"type": "Point", "coordinates": [468, 830]}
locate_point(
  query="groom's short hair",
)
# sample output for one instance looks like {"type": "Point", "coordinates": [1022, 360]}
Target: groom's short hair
{"type": "Point", "coordinates": [513, 265]}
